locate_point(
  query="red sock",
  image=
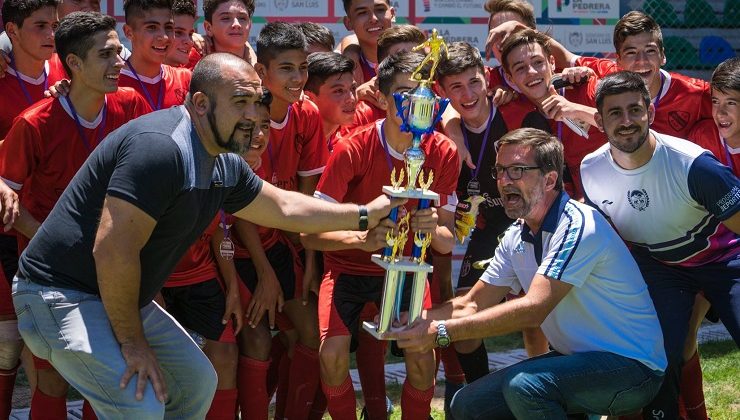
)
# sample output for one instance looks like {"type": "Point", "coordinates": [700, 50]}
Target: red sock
{"type": "Point", "coordinates": [303, 382]}
{"type": "Point", "coordinates": [692, 392]}
{"type": "Point", "coordinates": [416, 404]}
{"type": "Point", "coordinates": [87, 411]}
{"type": "Point", "coordinates": [45, 407]}
{"type": "Point", "coordinates": [453, 371]}
{"type": "Point", "coordinates": [341, 400]}
{"type": "Point", "coordinates": [318, 408]}
{"type": "Point", "coordinates": [276, 355]}
{"type": "Point", "coordinates": [281, 394]}
{"type": "Point", "coordinates": [7, 382]}
{"type": "Point", "coordinates": [252, 384]}
{"type": "Point", "coordinates": [223, 405]}
{"type": "Point", "coordinates": [370, 358]}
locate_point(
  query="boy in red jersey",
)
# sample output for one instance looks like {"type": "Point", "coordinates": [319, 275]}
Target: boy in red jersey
{"type": "Point", "coordinates": [360, 165]}
{"type": "Point", "coordinates": [680, 101]}
{"type": "Point", "coordinates": [294, 160]}
{"type": "Point", "coordinates": [527, 61]}
{"type": "Point", "coordinates": [331, 87]}
{"type": "Point", "coordinates": [367, 19]}
{"type": "Point", "coordinates": [227, 24]}
{"type": "Point", "coordinates": [181, 51]}
{"type": "Point", "coordinates": [149, 27]}
{"type": "Point", "coordinates": [721, 136]}
{"type": "Point", "coordinates": [49, 141]}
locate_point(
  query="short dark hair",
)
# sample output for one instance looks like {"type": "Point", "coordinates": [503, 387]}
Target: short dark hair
{"type": "Point", "coordinates": [460, 57]}
{"type": "Point", "coordinates": [136, 8]}
{"type": "Point", "coordinates": [524, 37]}
{"type": "Point", "coordinates": [184, 7]}
{"type": "Point", "coordinates": [398, 34]}
{"type": "Point", "coordinates": [520, 7]}
{"type": "Point", "coordinates": [726, 76]}
{"type": "Point", "coordinates": [210, 6]}
{"type": "Point", "coordinates": [317, 35]}
{"type": "Point", "coordinates": [17, 11]}
{"type": "Point", "coordinates": [548, 150]}
{"type": "Point", "coordinates": [348, 3]}
{"type": "Point", "coordinates": [276, 38]}
{"type": "Point", "coordinates": [621, 82]}
{"type": "Point", "coordinates": [322, 65]}
{"type": "Point", "coordinates": [208, 73]}
{"type": "Point", "coordinates": [636, 23]}
{"type": "Point", "coordinates": [403, 62]}
{"type": "Point", "coordinates": [75, 34]}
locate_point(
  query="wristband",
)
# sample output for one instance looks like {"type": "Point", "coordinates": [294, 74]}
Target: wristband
{"type": "Point", "coordinates": [363, 218]}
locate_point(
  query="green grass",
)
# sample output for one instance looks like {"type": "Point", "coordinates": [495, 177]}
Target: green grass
{"type": "Point", "coordinates": [720, 363]}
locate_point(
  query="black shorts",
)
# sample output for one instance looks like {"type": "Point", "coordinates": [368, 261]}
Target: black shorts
{"type": "Point", "coordinates": [9, 256]}
{"type": "Point", "coordinates": [200, 307]}
{"type": "Point", "coordinates": [342, 299]}
{"type": "Point", "coordinates": [483, 243]}
{"type": "Point", "coordinates": [281, 260]}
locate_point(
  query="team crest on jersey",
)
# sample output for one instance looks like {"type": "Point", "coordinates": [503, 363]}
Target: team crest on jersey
{"type": "Point", "coordinates": [678, 119]}
{"type": "Point", "coordinates": [639, 199]}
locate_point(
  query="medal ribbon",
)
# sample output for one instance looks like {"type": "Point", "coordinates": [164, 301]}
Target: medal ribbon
{"type": "Point", "coordinates": [728, 155]}
{"type": "Point", "coordinates": [385, 146]}
{"type": "Point", "coordinates": [22, 84]}
{"type": "Point", "coordinates": [474, 172]}
{"type": "Point", "coordinates": [660, 91]}
{"type": "Point", "coordinates": [81, 130]}
{"type": "Point", "coordinates": [364, 62]}
{"type": "Point", "coordinates": [160, 95]}
{"type": "Point", "coordinates": [224, 226]}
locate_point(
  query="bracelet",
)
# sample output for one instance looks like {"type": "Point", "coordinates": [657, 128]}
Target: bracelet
{"type": "Point", "coordinates": [363, 218]}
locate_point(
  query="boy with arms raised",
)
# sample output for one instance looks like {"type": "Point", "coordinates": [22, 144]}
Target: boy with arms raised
{"type": "Point", "coordinates": [49, 141]}
{"type": "Point", "coordinates": [360, 165]}
{"type": "Point", "coordinates": [149, 27]}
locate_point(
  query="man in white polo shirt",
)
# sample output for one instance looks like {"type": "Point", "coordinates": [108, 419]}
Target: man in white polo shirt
{"type": "Point", "coordinates": [678, 208]}
{"type": "Point", "coordinates": [582, 287]}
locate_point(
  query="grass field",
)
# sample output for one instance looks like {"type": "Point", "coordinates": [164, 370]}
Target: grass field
{"type": "Point", "coordinates": [720, 364]}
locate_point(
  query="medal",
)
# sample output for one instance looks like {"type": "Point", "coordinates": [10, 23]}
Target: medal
{"type": "Point", "coordinates": [226, 249]}
{"type": "Point", "coordinates": [473, 187]}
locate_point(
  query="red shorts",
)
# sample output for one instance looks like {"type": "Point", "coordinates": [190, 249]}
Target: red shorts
{"type": "Point", "coordinates": [343, 299]}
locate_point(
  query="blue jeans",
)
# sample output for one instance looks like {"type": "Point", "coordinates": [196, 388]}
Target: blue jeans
{"type": "Point", "coordinates": [673, 290]}
{"type": "Point", "coordinates": [71, 330]}
{"type": "Point", "coordinates": [554, 385]}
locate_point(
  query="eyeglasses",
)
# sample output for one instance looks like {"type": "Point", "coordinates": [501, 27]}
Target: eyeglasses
{"type": "Point", "coordinates": [513, 172]}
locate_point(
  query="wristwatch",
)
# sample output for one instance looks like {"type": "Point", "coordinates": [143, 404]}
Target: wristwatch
{"type": "Point", "coordinates": [363, 218]}
{"type": "Point", "coordinates": [443, 339]}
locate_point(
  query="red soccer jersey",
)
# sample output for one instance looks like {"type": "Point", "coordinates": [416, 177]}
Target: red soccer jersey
{"type": "Point", "coordinates": [706, 135]}
{"type": "Point", "coordinates": [296, 147]}
{"type": "Point", "coordinates": [193, 58]}
{"type": "Point", "coordinates": [198, 264]}
{"type": "Point", "coordinates": [495, 77]}
{"type": "Point", "coordinates": [44, 149]}
{"type": "Point", "coordinates": [164, 91]}
{"type": "Point", "coordinates": [359, 168]}
{"type": "Point", "coordinates": [682, 102]}
{"type": "Point", "coordinates": [20, 91]}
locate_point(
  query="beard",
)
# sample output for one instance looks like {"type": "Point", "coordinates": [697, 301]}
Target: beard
{"type": "Point", "coordinates": [231, 145]}
{"type": "Point", "coordinates": [627, 147]}
{"type": "Point", "coordinates": [521, 210]}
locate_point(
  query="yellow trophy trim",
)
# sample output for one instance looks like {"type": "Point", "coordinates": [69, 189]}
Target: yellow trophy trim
{"type": "Point", "coordinates": [425, 184]}
{"type": "Point", "coordinates": [396, 182]}
{"type": "Point", "coordinates": [436, 45]}
{"type": "Point", "coordinates": [401, 238]}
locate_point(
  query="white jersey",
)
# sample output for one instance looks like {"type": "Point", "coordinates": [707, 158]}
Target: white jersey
{"type": "Point", "coordinates": [671, 207]}
{"type": "Point", "coordinates": [608, 309]}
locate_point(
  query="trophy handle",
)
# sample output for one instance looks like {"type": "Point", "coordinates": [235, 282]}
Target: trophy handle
{"type": "Point", "coordinates": [443, 102]}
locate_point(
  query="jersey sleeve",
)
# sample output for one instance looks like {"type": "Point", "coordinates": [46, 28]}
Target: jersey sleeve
{"type": "Point", "coordinates": [314, 152]}
{"type": "Point", "coordinates": [148, 173]}
{"type": "Point", "coordinates": [500, 271]}
{"type": "Point", "coordinates": [600, 66]}
{"type": "Point", "coordinates": [247, 187]}
{"type": "Point", "coordinates": [714, 186]}
{"type": "Point", "coordinates": [20, 153]}
{"type": "Point", "coordinates": [340, 170]}
{"type": "Point", "coordinates": [574, 249]}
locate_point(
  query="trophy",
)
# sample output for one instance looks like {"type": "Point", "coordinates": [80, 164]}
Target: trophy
{"type": "Point", "coordinates": [420, 110]}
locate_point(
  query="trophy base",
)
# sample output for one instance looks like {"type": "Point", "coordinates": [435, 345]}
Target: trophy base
{"type": "Point", "coordinates": [404, 265]}
{"type": "Point", "coordinates": [372, 329]}
{"type": "Point", "coordinates": [416, 194]}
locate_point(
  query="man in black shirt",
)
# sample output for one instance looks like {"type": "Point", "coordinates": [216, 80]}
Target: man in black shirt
{"type": "Point", "coordinates": [84, 290]}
